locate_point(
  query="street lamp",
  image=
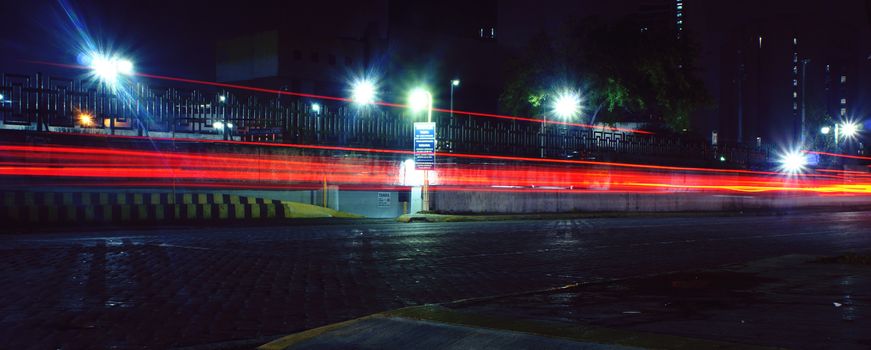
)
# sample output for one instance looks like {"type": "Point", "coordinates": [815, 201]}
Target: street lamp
{"type": "Point", "coordinates": [825, 130]}
{"type": "Point", "coordinates": [363, 92]}
{"type": "Point", "coordinates": [454, 83]}
{"type": "Point", "coordinates": [420, 99]}
{"type": "Point", "coordinates": [566, 105]}
{"type": "Point", "coordinates": [86, 120]}
{"type": "Point", "coordinates": [109, 69]}
{"type": "Point", "coordinates": [316, 108]}
{"type": "Point", "coordinates": [793, 162]}
{"type": "Point", "coordinates": [849, 129]}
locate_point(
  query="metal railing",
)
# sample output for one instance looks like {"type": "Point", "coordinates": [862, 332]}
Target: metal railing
{"type": "Point", "coordinates": [47, 103]}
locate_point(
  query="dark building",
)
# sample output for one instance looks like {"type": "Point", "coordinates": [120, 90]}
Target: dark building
{"type": "Point", "coordinates": [770, 65]}
{"type": "Point", "coordinates": [400, 44]}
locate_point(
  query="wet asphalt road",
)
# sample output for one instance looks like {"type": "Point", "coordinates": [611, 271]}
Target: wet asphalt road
{"type": "Point", "coordinates": [185, 286]}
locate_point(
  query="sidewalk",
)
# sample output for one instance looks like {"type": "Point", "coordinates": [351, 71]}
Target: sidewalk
{"type": "Point", "coordinates": [798, 302]}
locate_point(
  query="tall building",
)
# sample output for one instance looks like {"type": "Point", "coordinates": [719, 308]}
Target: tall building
{"type": "Point", "coordinates": [781, 68]}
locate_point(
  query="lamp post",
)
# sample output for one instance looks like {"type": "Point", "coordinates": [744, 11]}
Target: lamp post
{"type": "Point", "coordinates": [418, 100]}
{"type": "Point", "coordinates": [567, 105]}
{"type": "Point", "coordinates": [109, 69]}
{"type": "Point", "coordinates": [454, 83]}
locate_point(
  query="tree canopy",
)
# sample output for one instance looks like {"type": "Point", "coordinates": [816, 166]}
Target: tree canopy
{"type": "Point", "coordinates": [623, 71]}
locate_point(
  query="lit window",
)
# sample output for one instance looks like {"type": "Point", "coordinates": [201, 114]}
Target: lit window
{"type": "Point", "coordinates": [794, 94]}
{"type": "Point", "coordinates": [827, 68]}
{"type": "Point", "coordinates": [843, 79]}
{"type": "Point", "coordinates": [795, 41]}
{"type": "Point", "coordinates": [843, 112]}
{"type": "Point", "coordinates": [843, 101]}
{"type": "Point", "coordinates": [795, 82]}
{"type": "Point", "coordinates": [680, 14]}
{"type": "Point", "coordinates": [795, 106]}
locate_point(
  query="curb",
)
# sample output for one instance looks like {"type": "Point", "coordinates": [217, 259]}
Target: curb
{"type": "Point", "coordinates": [432, 217]}
{"type": "Point", "coordinates": [590, 334]}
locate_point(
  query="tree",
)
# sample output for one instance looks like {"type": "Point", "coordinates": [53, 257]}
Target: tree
{"type": "Point", "coordinates": [624, 71]}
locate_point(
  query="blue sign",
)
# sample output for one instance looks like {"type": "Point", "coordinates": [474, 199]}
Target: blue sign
{"type": "Point", "coordinates": [424, 146]}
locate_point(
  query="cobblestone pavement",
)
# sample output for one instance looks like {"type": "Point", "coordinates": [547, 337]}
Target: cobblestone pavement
{"type": "Point", "coordinates": [176, 287]}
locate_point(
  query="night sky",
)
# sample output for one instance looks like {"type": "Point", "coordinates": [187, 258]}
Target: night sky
{"type": "Point", "coordinates": [177, 37]}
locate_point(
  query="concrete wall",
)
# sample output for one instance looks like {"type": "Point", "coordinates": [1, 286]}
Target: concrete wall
{"type": "Point", "coordinates": [519, 202]}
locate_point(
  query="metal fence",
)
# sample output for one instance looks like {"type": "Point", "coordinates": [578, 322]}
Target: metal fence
{"type": "Point", "coordinates": [51, 103]}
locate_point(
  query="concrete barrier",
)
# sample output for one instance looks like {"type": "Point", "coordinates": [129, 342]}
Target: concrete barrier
{"type": "Point", "coordinates": [22, 208]}
{"type": "Point", "coordinates": [562, 202]}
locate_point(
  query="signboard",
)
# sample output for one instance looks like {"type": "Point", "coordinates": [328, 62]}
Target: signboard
{"type": "Point", "coordinates": [384, 199]}
{"type": "Point", "coordinates": [424, 146]}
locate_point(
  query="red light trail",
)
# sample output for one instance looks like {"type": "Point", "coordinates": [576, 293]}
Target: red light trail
{"type": "Point", "coordinates": [131, 168]}
{"type": "Point", "coordinates": [838, 155]}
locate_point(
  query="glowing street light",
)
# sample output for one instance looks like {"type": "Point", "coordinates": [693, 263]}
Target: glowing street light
{"type": "Point", "coordinates": [793, 162]}
{"type": "Point", "coordinates": [825, 130]}
{"type": "Point", "coordinates": [849, 129]}
{"type": "Point", "coordinates": [222, 98]}
{"type": "Point", "coordinates": [363, 92]}
{"type": "Point", "coordinates": [316, 108]}
{"type": "Point", "coordinates": [108, 69]}
{"type": "Point", "coordinates": [86, 120]}
{"type": "Point", "coordinates": [420, 99]}
{"type": "Point", "coordinates": [567, 105]}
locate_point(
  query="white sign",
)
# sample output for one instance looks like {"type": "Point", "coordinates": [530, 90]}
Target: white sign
{"type": "Point", "coordinates": [384, 199]}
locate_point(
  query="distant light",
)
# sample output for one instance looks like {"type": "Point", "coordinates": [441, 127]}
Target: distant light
{"type": "Point", "coordinates": [363, 92]}
{"type": "Point", "coordinates": [229, 125]}
{"type": "Point", "coordinates": [218, 125]}
{"type": "Point", "coordinates": [722, 158]}
{"type": "Point", "coordinates": [222, 98]}
{"type": "Point", "coordinates": [793, 162]}
{"type": "Point", "coordinates": [825, 130]}
{"type": "Point", "coordinates": [86, 119]}
{"type": "Point", "coordinates": [1, 97]}
{"type": "Point", "coordinates": [316, 108]}
{"type": "Point", "coordinates": [849, 129]}
{"type": "Point", "coordinates": [419, 100]}
{"type": "Point", "coordinates": [455, 82]}
{"type": "Point", "coordinates": [567, 105]}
